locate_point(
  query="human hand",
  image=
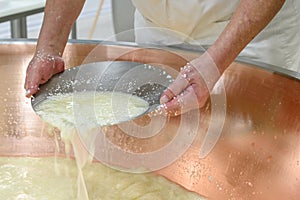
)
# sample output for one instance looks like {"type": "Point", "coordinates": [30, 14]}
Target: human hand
{"type": "Point", "coordinates": [40, 69]}
{"type": "Point", "coordinates": [191, 89]}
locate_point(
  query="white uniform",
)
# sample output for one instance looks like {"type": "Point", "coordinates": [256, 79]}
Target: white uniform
{"type": "Point", "coordinates": [200, 22]}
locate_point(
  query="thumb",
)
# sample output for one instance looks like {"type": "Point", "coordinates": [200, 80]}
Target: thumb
{"type": "Point", "coordinates": [177, 87]}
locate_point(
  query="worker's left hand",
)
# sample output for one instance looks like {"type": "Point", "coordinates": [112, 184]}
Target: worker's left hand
{"type": "Point", "coordinates": [192, 87]}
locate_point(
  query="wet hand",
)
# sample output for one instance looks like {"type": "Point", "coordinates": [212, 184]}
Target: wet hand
{"type": "Point", "coordinates": [191, 89]}
{"type": "Point", "coordinates": [40, 69]}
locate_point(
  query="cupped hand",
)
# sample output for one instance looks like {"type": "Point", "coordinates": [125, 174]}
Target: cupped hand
{"type": "Point", "coordinates": [191, 89]}
{"type": "Point", "coordinates": [40, 69]}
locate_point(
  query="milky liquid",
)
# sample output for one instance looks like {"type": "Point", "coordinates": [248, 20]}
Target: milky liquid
{"type": "Point", "coordinates": [82, 114]}
{"type": "Point", "coordinates": [43, 178]}
{"type": "Point", "coordinates": [89, 109]}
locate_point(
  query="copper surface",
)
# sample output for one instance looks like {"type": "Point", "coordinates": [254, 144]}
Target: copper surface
{"type": "Point", "coordinates": [257, 156]}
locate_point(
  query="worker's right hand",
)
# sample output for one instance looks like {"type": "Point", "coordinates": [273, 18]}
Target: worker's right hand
{"type": "Point", "coordinates": [40, 69]}
{"type": "Point", "coordinates": [192, 87]}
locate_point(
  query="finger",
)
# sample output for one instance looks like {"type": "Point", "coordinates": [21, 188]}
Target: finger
{"type": "Point", "coordinates": [182, 103]}
{"type": "Point", "coordinates": [31, 84]}
{"type": "Point", "coordinates": [31, 91]}
{"type": "Point", "coordinates": [180, 83]}
{"type": "Point", "coordinates": [166, 96]}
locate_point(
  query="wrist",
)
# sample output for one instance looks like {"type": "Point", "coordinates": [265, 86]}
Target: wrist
{"type": "Point", "coordinates": [220, 57]}
{"type": "Point", "coordinates": [51, 42]}
{"type": "Point", "coordinates": [49, 50]}
{"type": "Point", "coordinates": [207, 68]}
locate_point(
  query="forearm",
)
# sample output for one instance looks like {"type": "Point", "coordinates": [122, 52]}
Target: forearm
{"type": "Point", "coordinates": [59, 18]}
{"type": "Point", "coordinates": [249, 19]}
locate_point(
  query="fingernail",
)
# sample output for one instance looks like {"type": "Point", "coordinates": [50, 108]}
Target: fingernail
{"type": "Point", "coordinates": [164, 99]}
{"type": "Point", "coordinates": [27, 92]}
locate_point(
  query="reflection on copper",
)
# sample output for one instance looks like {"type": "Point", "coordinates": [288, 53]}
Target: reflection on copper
{"type": "Point", "coordinates": [257, 156]}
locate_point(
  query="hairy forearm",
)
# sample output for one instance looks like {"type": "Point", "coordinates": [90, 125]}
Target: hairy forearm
{"type": "Point", "coordinates": [59, 18]}
{"type": "Point", "coordinates": [249, 19]}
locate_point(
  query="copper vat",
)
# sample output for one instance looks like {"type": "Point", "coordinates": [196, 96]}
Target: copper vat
{"type": "Point", "coordinates": [256, 157]}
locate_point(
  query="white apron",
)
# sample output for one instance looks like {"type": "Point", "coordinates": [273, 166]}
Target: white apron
{"type": "Point", "coordinates": [200, 22]}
